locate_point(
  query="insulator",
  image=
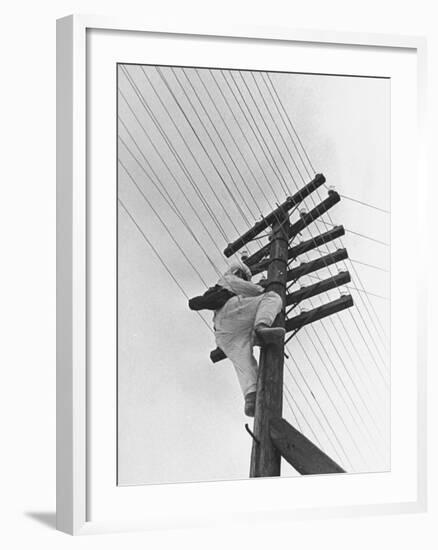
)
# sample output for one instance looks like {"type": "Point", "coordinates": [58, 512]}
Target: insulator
{"type": "Point", "coordinates": [303, 212]}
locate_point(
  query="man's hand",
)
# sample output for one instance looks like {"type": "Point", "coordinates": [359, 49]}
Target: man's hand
{"type": "Point", "coordinates": [263, 283]}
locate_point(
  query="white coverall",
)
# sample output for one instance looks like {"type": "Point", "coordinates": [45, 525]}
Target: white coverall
{"type": "Point", "coordinates": [234, 325]}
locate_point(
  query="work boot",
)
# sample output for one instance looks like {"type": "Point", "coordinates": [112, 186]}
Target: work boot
{"type": "Point", "coordinates": [269, 335]}
{"type": "Point", "coordinates": [250, 401]}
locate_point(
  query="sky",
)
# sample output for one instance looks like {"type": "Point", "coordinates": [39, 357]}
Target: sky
{"type": "Point", "coordinates": [202, 155]}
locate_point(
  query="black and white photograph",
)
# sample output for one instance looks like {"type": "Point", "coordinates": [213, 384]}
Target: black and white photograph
{"type": "Point", "coordinates": [253, 273]}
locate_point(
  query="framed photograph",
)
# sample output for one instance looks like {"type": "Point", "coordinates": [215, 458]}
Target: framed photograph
{"type": "Point", "coordinates": [240, 244]}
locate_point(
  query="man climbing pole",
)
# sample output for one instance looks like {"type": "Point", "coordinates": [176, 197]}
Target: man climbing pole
{"type": "Point", "coordinates": [243, 318]}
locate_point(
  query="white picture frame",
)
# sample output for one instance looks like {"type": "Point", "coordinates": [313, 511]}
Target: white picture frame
{"type": "Point", "coordinates": [73, 336]}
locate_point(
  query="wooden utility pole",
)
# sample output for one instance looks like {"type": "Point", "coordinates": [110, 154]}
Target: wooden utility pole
{"type": "Point", "coordinates": [265, 458]}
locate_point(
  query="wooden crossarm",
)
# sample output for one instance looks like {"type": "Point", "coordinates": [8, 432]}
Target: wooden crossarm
{"type": "Point", "coordinates": [319, 263]}
{"type": "Point", "coordinates": [318, 313]}
{"type": "Point", "coordinates": [298, 226]}
{"type": "Point", "coordinates": [305, 292]}
{"type": "Point", "coordinates": [217, 355]}
{"type": "Point", "coordinates": [275, 215]}
{"type": "Point", "coordinates": [305, 246]}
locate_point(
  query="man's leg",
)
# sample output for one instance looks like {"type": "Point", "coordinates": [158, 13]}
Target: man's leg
{"type": "Point", "coordinates": [246, 368]}
{"type": "Point", "coordinates": [245, 365]}
{"type": "Point", "coordinates": [269, 307]}
{"type": "Point", "coordinates": [240, 352]}
{"type": "Point", "coordinates": [234, 335]}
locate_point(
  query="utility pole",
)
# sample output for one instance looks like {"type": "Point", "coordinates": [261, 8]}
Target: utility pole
{"type": "Point", "coordinates": [273, 437]}
{"type": "Point", "coordinates": [265, 458]}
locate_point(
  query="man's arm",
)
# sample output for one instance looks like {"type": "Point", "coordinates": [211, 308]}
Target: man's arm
{"type": "Point", "coordinates": [242, 287]}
